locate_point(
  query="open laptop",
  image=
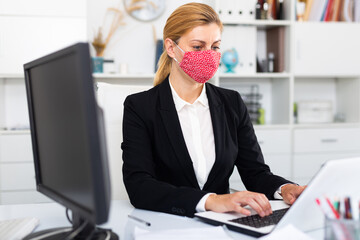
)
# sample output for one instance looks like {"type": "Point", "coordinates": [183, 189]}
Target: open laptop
{"type": "Point", "coordinates": [335, 178]}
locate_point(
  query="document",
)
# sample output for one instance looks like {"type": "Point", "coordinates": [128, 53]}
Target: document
{"type": "Point", "coordinates": [208, 233]}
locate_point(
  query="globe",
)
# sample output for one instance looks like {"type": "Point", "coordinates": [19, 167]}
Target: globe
{"type": "Point", "coordinates": [230, 60]}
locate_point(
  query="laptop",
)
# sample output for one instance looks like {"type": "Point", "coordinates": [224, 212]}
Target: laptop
{"type": "Point", "coordinates": [335, 178]}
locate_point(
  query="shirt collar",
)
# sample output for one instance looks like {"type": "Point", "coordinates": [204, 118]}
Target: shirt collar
{"type": "Point", "coordinates": [180, 103]}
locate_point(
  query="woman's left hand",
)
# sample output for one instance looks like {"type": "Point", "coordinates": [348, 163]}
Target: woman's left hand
{"type": "Point", "coordinates": [290, 192]}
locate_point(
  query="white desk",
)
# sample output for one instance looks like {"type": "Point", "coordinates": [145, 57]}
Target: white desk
{"type": "Point", "coordinates": [53, 215]}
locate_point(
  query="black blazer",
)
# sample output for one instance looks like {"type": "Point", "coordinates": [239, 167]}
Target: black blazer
{"type": "Point", "coordinates": [158, 172]}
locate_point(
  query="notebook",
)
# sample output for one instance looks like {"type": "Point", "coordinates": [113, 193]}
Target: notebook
{"type": "Point", "coordinates": [335, 178]}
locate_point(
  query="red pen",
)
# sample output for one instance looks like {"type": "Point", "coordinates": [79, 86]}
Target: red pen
{"type": "Point", "coordinates": [336, 214]}
{"type": "Point", "coordinates": [325, 207]}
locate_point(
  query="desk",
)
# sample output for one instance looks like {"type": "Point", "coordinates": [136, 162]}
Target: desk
{"type": "Point", "coordinates": [53, 215]}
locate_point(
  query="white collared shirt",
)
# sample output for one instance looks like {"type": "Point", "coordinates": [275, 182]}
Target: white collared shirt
{"type": "Point", "coordinates": [197, 129]}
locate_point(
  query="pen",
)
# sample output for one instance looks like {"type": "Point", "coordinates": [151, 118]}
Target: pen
{"type": "Point", "coordinates": [332, 209]}
{"type": "Point", "coordinates": [140, 220]}
{"type": "Point", "coordinates": [348, 214]}
{"type": "Point", "coordinates": [323, 204]}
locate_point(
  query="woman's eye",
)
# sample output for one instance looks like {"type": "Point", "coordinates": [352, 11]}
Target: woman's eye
{"type": "Point", "coordinates": [197, 47]}
{"type": "Point", "coordinates": [216, 48]}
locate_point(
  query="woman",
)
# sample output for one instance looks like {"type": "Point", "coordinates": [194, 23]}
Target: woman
{"type": "Point", "coordinates": [182, 138]}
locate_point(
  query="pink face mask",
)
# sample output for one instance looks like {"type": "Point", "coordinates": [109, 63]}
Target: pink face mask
{"type": "Point", "coordinates": [200, 65]}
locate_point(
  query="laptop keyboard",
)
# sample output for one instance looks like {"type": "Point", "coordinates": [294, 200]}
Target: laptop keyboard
{"type": "Point", "coordinates": [258, 222]}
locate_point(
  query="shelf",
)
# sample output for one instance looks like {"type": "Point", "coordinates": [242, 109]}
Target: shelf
{"type": "Point", "coordinates": [326, 125]}
{"type": "Point", "coordinates": [324, 76]}
{"type": "Point", "coordinates": [271, 126]}
{"type": "Point", "coordinates": [260, 23]}
{"type": "Point", "coordinates": [14, 132]}
{"type": "Point", "coordinates": [255, 75]}
{"type": "Point", "coordinates": [12, 76]}
{"type": "Point", "coordinates": [123, 76]}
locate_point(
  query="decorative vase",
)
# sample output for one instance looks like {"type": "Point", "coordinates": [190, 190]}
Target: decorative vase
{"type": "Point", "coordinates": [97, 64]}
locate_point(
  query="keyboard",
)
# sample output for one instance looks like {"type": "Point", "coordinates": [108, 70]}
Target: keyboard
{"type": "Point", "coordinates": [14, 229]}
{"type": "Point", "coordinates": [258, 222]}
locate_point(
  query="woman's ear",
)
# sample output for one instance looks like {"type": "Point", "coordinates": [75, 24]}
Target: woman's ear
{"type": "Point", "coordinates": [169, 46]}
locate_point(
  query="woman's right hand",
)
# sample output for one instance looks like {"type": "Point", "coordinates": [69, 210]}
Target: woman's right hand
{"type": "Point", "coordinates": [237, 201]}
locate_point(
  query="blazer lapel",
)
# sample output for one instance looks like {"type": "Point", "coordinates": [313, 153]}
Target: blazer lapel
{"type": "Point", "coordinates": [217, 113]}
{"type": "Point", "coordinates": [174, 132]}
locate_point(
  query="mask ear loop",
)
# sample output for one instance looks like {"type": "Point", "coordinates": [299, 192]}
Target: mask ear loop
{"type": "Point", "coordinates": [180, 50]}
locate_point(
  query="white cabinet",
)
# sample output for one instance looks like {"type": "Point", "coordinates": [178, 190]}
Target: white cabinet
{"type": "Point", "coordinates": [15, 148]}
{"type": "Point", "coordinates": [307, 165]}
{"type": "Point", "coordinates": [17, 173]}
{"type": "Point", "coordinates": [312, 147]}
{"type": "Point", "coordinates": [327, 48]}
{"type": "Point", "coordinates": [326, 140]}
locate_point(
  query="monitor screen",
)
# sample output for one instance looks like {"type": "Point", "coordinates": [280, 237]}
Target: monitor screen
{"type": "Point", "coordinates": [68, 134]}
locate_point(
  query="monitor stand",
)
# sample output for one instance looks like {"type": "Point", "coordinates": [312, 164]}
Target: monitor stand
{"type": "Point", "coordinates": [80, 230]}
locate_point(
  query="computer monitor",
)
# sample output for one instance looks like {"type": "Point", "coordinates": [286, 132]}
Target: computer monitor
{"type": "Point", "coordinates": [68, 140]}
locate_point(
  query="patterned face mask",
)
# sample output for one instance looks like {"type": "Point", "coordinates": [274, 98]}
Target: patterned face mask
{"type": "Point", "coordinates": [200, 65]}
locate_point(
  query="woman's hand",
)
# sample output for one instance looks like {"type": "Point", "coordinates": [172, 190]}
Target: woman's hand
{"type": "Point", "coordinates": [237, 201]}
{"type": "Point", "coordinates": [290, 192]}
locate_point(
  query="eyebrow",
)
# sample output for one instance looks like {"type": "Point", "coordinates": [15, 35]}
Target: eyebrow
{"type": "Point", "coordinates": [196, 40]}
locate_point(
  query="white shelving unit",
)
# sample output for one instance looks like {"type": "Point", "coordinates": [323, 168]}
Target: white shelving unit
{"type": "Point", "coordinates": [321, 63]}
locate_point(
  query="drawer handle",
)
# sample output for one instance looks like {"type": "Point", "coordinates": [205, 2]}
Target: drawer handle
{"type": "Point", "coordinates": [329, 140]}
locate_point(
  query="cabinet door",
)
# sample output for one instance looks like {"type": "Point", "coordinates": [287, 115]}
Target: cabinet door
{"type": "Point", "coordinates": [326, 140]}
{"type": "Point", "coordinates": [23, 39]}
{"type": "Point", "coordinates": [307, 165]}
{"type": "Point", "coordinates": [274, 141]}
{"type": "Point", "coordinates": [327, 49]}
{"type": "Point", "coordinates": [17, 176]}
{"type": "Point", "coordinates": [16, 148]}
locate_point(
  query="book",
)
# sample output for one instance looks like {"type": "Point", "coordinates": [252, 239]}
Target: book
{"type": "Point", "coordinates": [324, 10]}
{"type": "Point", "coordinates": [328, 10]}
{"type": "Point", "coordinates": [336, 10]}
{"type": "Point", "coordinates": [317, 9]}
{"type": "Point", "coordinates": [308, 7]}
{"type": "Point", "coordinates": [357, 11]}
{"type": "Point", "coordinates": [275, 43]}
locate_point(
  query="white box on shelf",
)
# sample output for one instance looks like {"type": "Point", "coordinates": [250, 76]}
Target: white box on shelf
{"type": "Point", "coordinates": [315, 112]}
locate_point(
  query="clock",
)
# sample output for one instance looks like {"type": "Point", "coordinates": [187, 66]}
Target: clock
{"type": "Point", "coordinates": [144, 10]}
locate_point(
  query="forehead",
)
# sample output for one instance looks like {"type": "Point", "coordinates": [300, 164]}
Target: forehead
{"type": "Point", "coordinates": [209, 33]}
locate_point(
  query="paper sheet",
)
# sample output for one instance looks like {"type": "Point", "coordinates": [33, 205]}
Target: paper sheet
{"type": "Point", "coordinates": [208, 233]}
{"type": "Point", "coordinates": [288, 232]}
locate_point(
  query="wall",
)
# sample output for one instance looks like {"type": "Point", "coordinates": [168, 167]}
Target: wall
{"type": "Point", "coordinates": [133, 43]}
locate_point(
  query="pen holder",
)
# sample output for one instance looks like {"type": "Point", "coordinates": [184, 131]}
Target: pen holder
{"type": "Point", "coordinates": [342, 229]}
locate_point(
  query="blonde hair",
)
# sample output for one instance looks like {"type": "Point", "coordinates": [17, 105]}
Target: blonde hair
{"type": "Point", "coordinates": [182, 20]}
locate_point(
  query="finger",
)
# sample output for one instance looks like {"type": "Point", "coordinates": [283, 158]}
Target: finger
{"type": "Point", "coordinates": [264, 203]}
{"type": "Point", "coordinates": [256, 206]}
{"type": "Point", "coordinates": [289, 198]}
{"type": "Point", "coordinates": [242, 210]}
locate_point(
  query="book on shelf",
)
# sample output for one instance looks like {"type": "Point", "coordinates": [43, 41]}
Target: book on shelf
{"type": "Point", "coordinates": [275, 43]}
{"type": "Point", "coordinates": [332, 10]}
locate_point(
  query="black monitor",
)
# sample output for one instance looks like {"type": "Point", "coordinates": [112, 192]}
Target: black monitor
{"type": "Point", "coordinates": [68, 140]}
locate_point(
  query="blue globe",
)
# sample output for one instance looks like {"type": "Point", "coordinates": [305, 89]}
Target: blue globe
{"type": "Point", "coordinates": [230, 59]}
